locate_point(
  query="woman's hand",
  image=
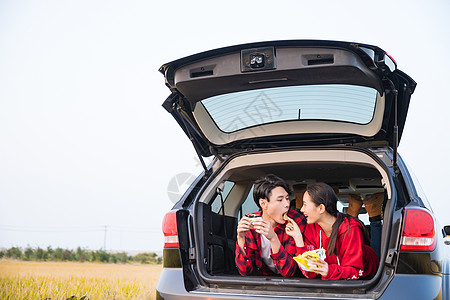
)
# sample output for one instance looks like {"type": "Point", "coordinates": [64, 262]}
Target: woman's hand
{"type": "Point", "coordinates": [320, 267]}
{"type": "Point", "coordinates": [293, 230]}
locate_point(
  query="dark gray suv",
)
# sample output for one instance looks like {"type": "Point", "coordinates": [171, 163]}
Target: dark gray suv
{"type": "Point", "coordinates": [306, 111]}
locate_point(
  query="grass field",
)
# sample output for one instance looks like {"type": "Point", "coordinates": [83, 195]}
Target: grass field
{"type": "Point", "coordinates": [62, 280]}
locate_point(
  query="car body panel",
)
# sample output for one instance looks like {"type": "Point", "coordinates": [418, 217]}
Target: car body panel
{"type": "Point", "coordinates": [401, 287]}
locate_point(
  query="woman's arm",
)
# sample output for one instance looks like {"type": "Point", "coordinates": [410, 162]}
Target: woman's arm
{"type": "Point", "coordinates": [350, 256]}
{"type": "Point", "coordinates": [293, 230]}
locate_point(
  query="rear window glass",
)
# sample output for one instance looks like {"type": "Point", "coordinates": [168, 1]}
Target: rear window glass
{"type": "Point", "coordinates": [332, 102]}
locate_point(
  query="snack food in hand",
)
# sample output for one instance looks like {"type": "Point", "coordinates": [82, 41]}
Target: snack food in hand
{"type": "Point", "coordinates": [308, 257]}
{"type": "Point", "coordinates": [253, 218]}
{"type": "Point", "coordinates": [285, 217]}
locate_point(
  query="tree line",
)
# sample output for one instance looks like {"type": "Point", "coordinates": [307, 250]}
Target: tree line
{"type": "Point", "coordinates": [79, 255]}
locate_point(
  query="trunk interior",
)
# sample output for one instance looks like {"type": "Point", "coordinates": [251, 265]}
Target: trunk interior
{"type": "Point", "coordinates": [229, 196]}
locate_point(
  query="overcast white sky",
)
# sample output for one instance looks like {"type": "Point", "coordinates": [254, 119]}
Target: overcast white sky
{"type": "Point", "coordinates": [85, 143]}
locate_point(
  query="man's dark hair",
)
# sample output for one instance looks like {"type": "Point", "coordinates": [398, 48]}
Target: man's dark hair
{"type": "Point", "coordinates": [264, 186]}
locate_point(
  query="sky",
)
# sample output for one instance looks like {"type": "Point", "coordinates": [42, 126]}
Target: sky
{"type": "Point", "coordinates": [89, 158]}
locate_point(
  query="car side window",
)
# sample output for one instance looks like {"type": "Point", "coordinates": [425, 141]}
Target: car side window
{"type": "Point", "coordinates": [216, 204]}
{"type": "Point", "coordinates": [419, 189]}
{"type": "Point", "coordinates": [249, 206]}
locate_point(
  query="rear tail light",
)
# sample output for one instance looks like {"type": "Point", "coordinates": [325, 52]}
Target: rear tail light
{"type": "Point", "coordinates": [418, 230]}
{"type": "Point", "coordinates": [169, 227]}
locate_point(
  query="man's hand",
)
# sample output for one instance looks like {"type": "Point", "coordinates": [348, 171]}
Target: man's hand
{"type": "Point", "coordinates": [265, 228]}
{"type": "Point", "coordinates": [244, 225]}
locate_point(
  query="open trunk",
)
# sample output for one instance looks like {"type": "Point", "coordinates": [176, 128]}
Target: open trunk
{"type": "Point", "coordinates": [228, 197]}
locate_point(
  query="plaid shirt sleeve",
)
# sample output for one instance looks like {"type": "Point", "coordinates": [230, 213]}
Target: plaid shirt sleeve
{"type": "Point", "coordinates": [245, 262]}
{"type": "Point", "coordinates": [283, 259]}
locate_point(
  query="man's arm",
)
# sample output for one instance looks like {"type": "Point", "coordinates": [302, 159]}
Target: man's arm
{"type": "Point", "coordinates": [283, 259]}
{"type": "Point", "coordinates": [245, 245]}
{"type": "Point", "coordinates": [245, 256]}
{"type": "Point", "coordinates": [265, 228]}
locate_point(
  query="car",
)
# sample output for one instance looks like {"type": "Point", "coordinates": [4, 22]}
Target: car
{"type": "Point", "coordinates": [446, 232]}
{"type": "Point", "coordinates": [307, 111]}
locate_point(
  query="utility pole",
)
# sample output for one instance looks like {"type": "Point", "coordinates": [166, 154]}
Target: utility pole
{"type": "Point", "coordinates": [104, 241]}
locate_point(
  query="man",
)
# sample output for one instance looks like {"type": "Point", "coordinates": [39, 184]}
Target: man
{"type": "Point", "coordinates": [374, 208]}
{"type": "Point", "coordinates": [262, 246]}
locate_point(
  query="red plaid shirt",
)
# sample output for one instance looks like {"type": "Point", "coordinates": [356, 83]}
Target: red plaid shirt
{"type": "Point", "coordinates": [250, 262]}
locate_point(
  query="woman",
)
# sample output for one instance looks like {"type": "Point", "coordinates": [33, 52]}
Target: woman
{"type": "Point", "coordinates": [343, 237]}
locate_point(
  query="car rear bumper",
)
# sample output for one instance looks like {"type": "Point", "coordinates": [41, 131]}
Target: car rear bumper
{"type": "Point", "coordinates": [402, 286]}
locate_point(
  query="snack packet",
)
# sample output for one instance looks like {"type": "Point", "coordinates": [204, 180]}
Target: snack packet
{"type": "Point", "coordinates": [308, 257]}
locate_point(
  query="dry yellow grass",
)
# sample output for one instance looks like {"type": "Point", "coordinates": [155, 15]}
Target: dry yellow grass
{"type": "Point", "coordinates": [61, 280]}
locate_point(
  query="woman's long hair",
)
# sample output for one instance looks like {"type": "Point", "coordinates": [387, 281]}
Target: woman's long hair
{"type": "Point", "coordinates": [322, 193]}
